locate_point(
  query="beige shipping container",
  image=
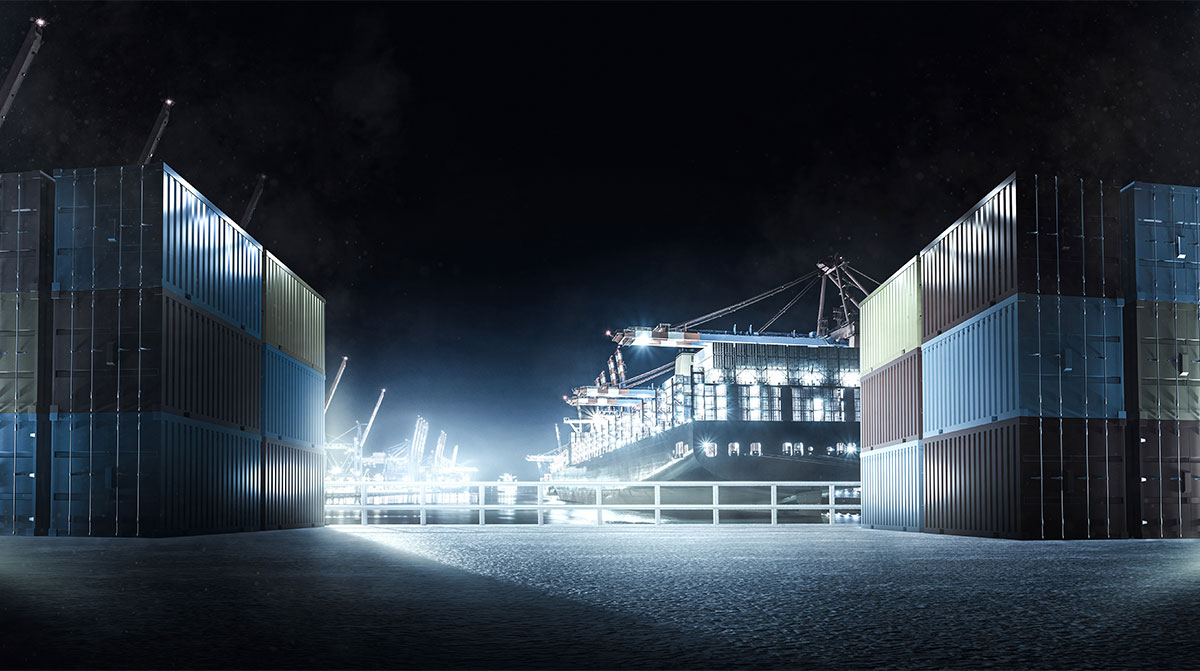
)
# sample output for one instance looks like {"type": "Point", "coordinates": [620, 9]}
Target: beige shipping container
{"type": "Point", "coordinates": [18, 352]}
{"type": "Point", "coordinates": [891, 318]}
{"type": "Point", "coordinates": [1168, 360]}
{"type": "Point", "coordinates": [293, 314]}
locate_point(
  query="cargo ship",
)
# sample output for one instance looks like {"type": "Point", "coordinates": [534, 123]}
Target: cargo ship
{"type": "Point", "coordinates": [731, 406]}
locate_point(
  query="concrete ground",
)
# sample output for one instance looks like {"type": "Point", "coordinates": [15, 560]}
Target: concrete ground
{"type": "Point", "coordinates": [673, 597]}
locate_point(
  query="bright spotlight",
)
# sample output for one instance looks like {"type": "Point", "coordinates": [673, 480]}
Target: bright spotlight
{"type": "Point", "coordinates": [41, 23]}
{"type": "Point", "coordinates": [169, 102]}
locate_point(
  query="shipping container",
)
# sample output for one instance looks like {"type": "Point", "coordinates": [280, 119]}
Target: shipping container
{"type": "Point", "coordinates": [1162, 245]}
{"type": "Point", "coordinates": [26, 228]}
{"type": "Point", "coordinates": [1031, 234]}
{"type": "Point", "coordinates": [1168, 469]}
{"type": "Point", "coordinates": [891, 318]}
{"type": "Point", "coordinates": [143, 350]}
{"type": "Point", "coordinates": [892, 488]}
{"type": "Point", "coordinates": [145, 226]}
{"type": "Point", "coordinates": [1030, 355]}
{"type": "Point", "coordinates": [293, 485]}
{"type": "Point", "coordinates": [1168, 360]}
{"type": "Point", "coordinates": [1028, 478]}
{"type": "Point", "coordinates": [293, 314]}
{"type": "Point", "coordinates": [293, 400]}
{"type": "Point", "coordinates": [19, 339]}
{"type": "Point", "coordinates": [18, 465]}
{"type": "Point", "coordinates": [152, 474]}
{"type": "Point", "coordinates": [891, 403]}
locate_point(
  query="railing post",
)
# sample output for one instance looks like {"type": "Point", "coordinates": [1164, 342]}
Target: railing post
{"type": "Point", "coordinates": [599, 510]}
{"type": "Point", "coordinates": [774, 505]}
{"type": "Point", "coordinates": [421, 502]}
{"type": "Point", "coordinates": [832, 503]}
{"type": "Point", "coordinates": [362, 501]}
{"type": "Point", "coordinates": [657, 504]}
{"type": "Point", "coordinates": [539, 504]}
{"type": "Point", "coordinates": [716, 503]}
{"type": "Point", "coordinates": [482, 512]}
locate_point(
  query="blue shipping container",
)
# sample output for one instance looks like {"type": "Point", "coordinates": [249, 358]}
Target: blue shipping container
{"type": "Point", "coordinates": [151, 474]}
{"type": "Point", "coordinates": [145, 226]}
{"type": "Point", "coordinates": [293, 400]}
{"type": "Point", "coordinates": [892, 488]}
{"type": "Point", "coordinates": [293, 486]}
{"type": "Point", "coordinates": [18, 448]}
{"type": "Point", "coordinates": [1163, 224]}
{"type": "Point", "coordinates": [1029, 356]}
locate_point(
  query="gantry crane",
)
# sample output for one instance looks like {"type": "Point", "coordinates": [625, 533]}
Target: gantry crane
{"type": "Point", "coordinates": [160, 125]}
{"type": "Point", "coordinates": [336, 379]}
{"type": "Point", "coordinates": [16, 74]}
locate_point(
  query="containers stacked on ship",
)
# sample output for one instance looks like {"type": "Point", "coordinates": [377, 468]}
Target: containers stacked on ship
{"type": "Point", "coordinates": [156, 411]}
{"type": "Point", "coordinates": [293, 361]}
{"type": "Point", "coordinates": [890, 354]}
{"type": "Point", "coordinates": [1023, 411]}
{"type": "Point", "coordinates": [26, 207]}
{"type": "Point", "coordinates": [1162, 283]}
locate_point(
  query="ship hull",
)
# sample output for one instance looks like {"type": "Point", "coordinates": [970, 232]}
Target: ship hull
{"type": "Point", "coordinates": [656, 458]}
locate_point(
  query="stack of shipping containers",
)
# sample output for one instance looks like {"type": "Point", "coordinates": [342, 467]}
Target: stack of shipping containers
{"type": "Point", "coordinates": [1162, 338]}
{"type": "Point", "coordinates": [156, 409]}
{"type": "Point", "coordinates": [26, 207]}
{"type": "Point", "coordinates": [293, 365]}
{"type": "Point", "coordinates": [890, 358]}
{"type": "Point", "coordinates": [1022, 403]}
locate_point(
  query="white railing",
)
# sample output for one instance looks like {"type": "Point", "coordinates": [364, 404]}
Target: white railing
{"type": "Point", "coordinates": [421, 493]}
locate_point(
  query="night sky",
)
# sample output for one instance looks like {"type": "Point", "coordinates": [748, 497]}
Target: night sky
{"type": "Point", "coordinates": [479, 191]}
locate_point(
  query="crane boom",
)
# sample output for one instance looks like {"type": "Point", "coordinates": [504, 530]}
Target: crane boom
{"type": "Point", "coordinates": [336, 379]}
{"type": "Point", "coordinates": [371, 422]}
{"type": "Point", "coordinates": [258, 189]}
{"type": "Point", "coordinates": [29, 49]}
{"type": "Point", "coordinates": [160, 125]}
{"type": "Point", "coordinates": [738, 306]}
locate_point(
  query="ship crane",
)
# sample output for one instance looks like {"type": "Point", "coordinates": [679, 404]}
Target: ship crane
{"type": "Point", "coordinates": [160, 125]}
{"type": "Point", "coordinates": [834, 270]}
{"type": "Point", "coordinates": [16, 75]}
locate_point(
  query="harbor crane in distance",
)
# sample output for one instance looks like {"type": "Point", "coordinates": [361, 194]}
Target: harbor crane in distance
{"type": "Point", "coordinates": [336, 379]}
{"type": "Point", "coordinates": [16, 74]}
{"type": "Point", "coordinates": [258, 189]}
{"type": "Point", "coordinates": [160, 125]}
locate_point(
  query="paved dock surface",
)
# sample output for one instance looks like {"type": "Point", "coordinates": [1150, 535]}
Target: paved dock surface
{"type": "Point", "coordinates": [509, 597]}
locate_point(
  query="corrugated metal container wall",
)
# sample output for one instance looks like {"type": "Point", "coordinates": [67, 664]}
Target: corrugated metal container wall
{"type": "Point", "coordinates": [26, 201]}
{"type": "Point", "coordinates": [293, 400]}
{"type": "Point", "coordinates": [892, 488]}
{"type": "Point", "coordinates": [293, 314]}
{"type": "Point", "coordinates": [891, 403]}
{"type": "Point", "coordinates": [145, 226]}
{"type": "Point", "coordinates": [1027, 356]}
{"type": "Point", "coordinates": [891, 318]}
{"type": "Point", "coordinates": [211, 371]}
{"type": "Point", "coordinates": [1028, 478]}
{"type": "Point", "coordinates": [1168, 360]}
{"type": "Point", "coordinates": [1164, 248]}
{"type": "Point", "coordinates": [293, 486]}
{"type": "Point", "coordinates": [208, 258]}
{"type": "Point", "coordinates": [108, 351]}
{"type": "Point", "coordinates": [152, 474]}
{"type": "Point", "coordinates": [1169, 460]}
{"type": "Point", "coordinates": [19, 338]}
{"type": "Point", "coordinates": [18, 463]}
{"type": "Point", "coordinates": [1009, 242]}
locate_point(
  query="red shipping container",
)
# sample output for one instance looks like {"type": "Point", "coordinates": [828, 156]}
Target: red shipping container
{"type": "Point", "coordinates": [1031, 234]}
{"type": "Point", "coordinates": [891, 403]}
{"type": "Point", "coordinates": [1028, 478]}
